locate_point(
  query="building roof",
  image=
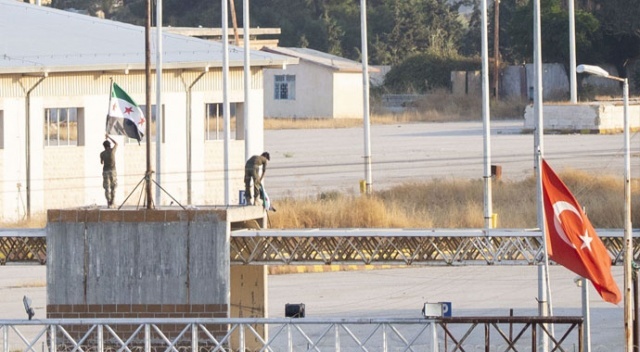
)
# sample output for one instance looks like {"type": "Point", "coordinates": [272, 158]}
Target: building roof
{"type": "Point", "coordinates": [38, 39]}
{"type": "Point", "coordinates": [318, 57]}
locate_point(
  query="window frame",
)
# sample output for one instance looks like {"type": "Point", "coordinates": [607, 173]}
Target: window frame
{"type": "Point", "coordinates": [70, 114]}
{"type": "Point", "coordinates": [216, 135]}
{"type": "Point", "coordinates": [284, 87]}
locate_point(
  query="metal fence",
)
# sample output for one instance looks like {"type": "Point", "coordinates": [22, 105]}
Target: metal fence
{"type": "Point", "coordinates": [294, 334]}
{"type": "Point", "coordinates": [358, 246]}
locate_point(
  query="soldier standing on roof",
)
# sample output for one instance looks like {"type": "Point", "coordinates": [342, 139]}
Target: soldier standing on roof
{"type": "Point", "coordinates": [109, 176]}
{"type": "Point", "coordinates": [252, 172]}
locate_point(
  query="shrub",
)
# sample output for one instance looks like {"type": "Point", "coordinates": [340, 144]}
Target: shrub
{"type": "Point", "coordinates": [424, 72]}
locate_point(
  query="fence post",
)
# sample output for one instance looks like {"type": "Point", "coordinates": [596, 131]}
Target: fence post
{"type": "Point", "coordinates": [384, 337]}
{"type": "Point", "coordinates": [194, 337]}
{"type": "Point", "coordinates": [52, 339]}
{"type": "Point", "coordinates": [100, 347]}
{"type": "Point", "coordinates": [487, 342]}
{"type": "Point", "coordinates": [434, 336]}
{"type": "Point", "coordinates": [147, 338]}
{"type": "Point", "coordinates": [5, 338]}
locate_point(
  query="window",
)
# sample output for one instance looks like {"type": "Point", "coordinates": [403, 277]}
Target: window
{"type": "Point", "coordinates": [61, 126]}
{"type": "Point", "coordinates": [214, 121]}
{"type": "Point", "coordinates": [285, 87]}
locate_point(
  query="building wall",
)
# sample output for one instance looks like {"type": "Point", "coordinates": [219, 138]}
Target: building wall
{"type": "Point", "coordinates": [587, 118]}
{"type": "Point", "coordinates": [313, 96]}
{"type": "Point", "coordinates": [71, 176]}
{"type": "Point", "coordinates": [137, 257]}
{"type": "Point", "coordinates": [347, 95]}
{"type": "Point", "coordinates": [555, 81]}
{"type": "Point", "coordinates": [138, 264]}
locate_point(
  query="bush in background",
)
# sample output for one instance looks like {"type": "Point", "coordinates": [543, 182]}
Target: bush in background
{"type": "Point", "coordinates": [424, 72]}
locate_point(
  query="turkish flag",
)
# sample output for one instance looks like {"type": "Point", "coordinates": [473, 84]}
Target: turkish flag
{"type": "Point", "coordinates": [571, 240]}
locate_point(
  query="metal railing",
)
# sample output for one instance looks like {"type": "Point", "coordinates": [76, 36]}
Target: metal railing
{"type": "Point", "coordinates": [358, 246]}
{"type": "Point", "coordinates": [293, 334]}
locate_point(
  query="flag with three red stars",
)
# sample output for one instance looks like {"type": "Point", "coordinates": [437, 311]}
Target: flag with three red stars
{"type": "Point", "coordinates": [571, 240]}
{"type": "Point", "coordinates": [125, 116]}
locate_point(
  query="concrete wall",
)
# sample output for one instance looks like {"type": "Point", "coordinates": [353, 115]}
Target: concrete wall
{"type": "Point", "coordinates": [347, 95]}
{"type": "Point", "coordinates": [459, 82]}
{"type": "Point", "coordinates": [555, 81]}
{"type": "Point", "coordinates": [585, 117]}
{"type": "Point", "coordinates": [513, 82]}
{"type": "Point", "coordinates": [138, 257]}
{"type": "Point", "coordinates": [160, 263]}
{"type": "Point", "coordinates": [249, 297]}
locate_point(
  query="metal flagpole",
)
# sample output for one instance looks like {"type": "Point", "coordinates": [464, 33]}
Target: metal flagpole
{"type": "Point", "coordinates": [248, 147]}
{"type": "Point", "coordinates": [486, 119]}
{"type": "Point", "coordinates": [149, 198]}
{"type": "Point", "coordinates": [225, 99]}
{"type": "Point", "coordinates": [159, 110]}
{"type": "Point", "coordinates": [365, 96]}
{"type": "Point", "coordinates": [545, 305]}
{"type": "Point", "coordinates": [572, 52]}
{"type": "Point", "coordinates": [109, 103]}
{"type": "Point", "coordinates": [628, 240]}
{"type": "Point", "coordinates": [586, 336]}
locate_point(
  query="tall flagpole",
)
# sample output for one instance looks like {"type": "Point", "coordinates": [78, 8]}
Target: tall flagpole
{"type": "Point", "coordinates": [225, 100]}
{"type": "Point", "coordinates": [572, 52]}
{"type": "Point", "coordinates": [628, 238]}
{"type": "Point", "coordinates": [486, 119]}
{"type": "Point", "coordinates": [147, 65]}
{"type": "Point", "coordinates": [365, 97]}
{"type": "Point", "coordinates": [159, 110]}
{"type": "Point", "coordinates": [248, 142]}
{"type": "Point", "coordinates": [544, 290]}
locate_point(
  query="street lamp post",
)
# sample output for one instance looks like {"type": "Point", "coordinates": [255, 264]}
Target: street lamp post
{"type": "Point", "coordinates": [628, 241]}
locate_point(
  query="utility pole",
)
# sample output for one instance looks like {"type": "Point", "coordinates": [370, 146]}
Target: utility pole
{"type": "Point", "coordinates": [234, 20]}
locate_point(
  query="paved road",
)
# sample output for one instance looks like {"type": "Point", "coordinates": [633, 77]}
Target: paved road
{"type": "Point", "coordinates": [307, 162]}
{"type": "Point", "coordinates": [394, 293]}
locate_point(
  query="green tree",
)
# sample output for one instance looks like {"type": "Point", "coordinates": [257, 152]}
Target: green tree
{"type": "Point", "coordinates": [620, 27]}
{"type": "Point", "coordinates": [554, 33]}
{"type": "Point", "coordinates": [410, 27]}
{"type": "Point", "coordinates": [423, 72]}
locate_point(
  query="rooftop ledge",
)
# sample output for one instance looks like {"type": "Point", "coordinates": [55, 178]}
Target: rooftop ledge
{"type": "Point", "coordinates": [233, 213]}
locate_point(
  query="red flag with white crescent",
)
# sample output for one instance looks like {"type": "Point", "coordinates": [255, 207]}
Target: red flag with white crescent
{"type": "Point", "coordinates": [571, 239]}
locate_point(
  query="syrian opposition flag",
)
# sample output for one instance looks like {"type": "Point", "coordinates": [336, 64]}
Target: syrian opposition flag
{"type": "Point", "coordinates": [125, 116]}
{"type": "Point", "coordinates": [572, 241]}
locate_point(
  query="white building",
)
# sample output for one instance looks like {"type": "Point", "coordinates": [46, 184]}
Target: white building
{"type": "Point", "coordinates": [55, 74]}
{"type": "Point", "coordinates": [320, 86]}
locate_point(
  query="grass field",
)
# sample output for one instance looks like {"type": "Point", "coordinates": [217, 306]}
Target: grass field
{"type": "Point", "coordinates": [453, 204]}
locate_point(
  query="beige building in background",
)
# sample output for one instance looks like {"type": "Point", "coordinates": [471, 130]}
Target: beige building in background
{"type": "Point", "coordinates": [55, 74]}
{"type": "Point", "coordinates": [320, 86]}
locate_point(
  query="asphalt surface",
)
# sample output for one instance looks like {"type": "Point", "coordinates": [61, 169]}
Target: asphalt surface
{"type": "Point", "coordinates": [390, 293]}
{"type": "Point", "coordinates": [308, 162]}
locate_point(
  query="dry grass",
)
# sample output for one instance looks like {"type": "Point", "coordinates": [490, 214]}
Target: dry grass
{"type": "Point", "coordinates": [453, 204]}
{"type": "Point", "coordinates": [442, 204]}
{"type": "Point", "coordinates": [437, 106]}
{"type": "Point", "coordinates": [338, 211]}
{"type": "Point", "coordinates": [37, 220]}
